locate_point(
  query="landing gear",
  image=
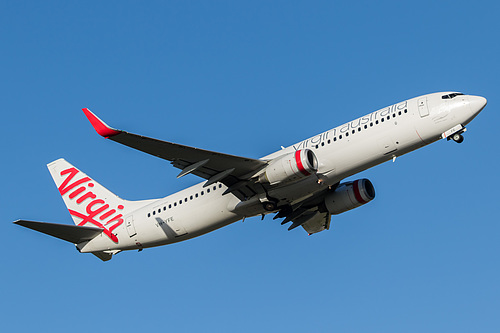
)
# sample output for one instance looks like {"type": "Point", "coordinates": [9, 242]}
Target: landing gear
{"type": "Point", "coordinates": [458, 138]}
{"type": "Point", "coordinates": [269, 206]}
{"type": "Point", "coordinates": [455, 133]}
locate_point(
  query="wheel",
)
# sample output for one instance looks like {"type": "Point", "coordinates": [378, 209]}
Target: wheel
{"type": "Point", "coordinates": [269, 206]}
{"type": "Point", "coordinates": [458, 138]}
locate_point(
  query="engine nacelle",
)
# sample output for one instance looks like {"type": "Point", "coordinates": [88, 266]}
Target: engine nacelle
{"type": "Point", "coordinates": [290, 167]}
{"type": "Point", "coordinates": [350, 195]}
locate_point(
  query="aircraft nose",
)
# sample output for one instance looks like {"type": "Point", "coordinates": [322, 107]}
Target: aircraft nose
{"type": "Point", "coordinates": [477, 104]}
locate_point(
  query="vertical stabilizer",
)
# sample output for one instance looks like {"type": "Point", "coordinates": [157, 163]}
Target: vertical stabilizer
{"type": "Point", "coordinates": [88, 202]}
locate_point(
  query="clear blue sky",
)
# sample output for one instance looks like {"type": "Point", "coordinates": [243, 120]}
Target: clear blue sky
{"type": "Point", "coordinates": [244, 78]}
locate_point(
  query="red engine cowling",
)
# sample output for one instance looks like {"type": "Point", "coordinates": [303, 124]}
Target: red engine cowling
{"type": "Point", "coordinates": [350, 195]}
{"type": "Point", "coordinates": [290, 167]}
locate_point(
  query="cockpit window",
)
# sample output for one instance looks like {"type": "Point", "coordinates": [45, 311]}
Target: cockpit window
{"type": "Point", "coordinates": [450, 96]}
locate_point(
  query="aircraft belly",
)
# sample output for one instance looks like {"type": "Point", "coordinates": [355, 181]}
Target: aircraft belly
{"type": "Point", "coordinates": [377, 149]}
{"type": "Point", "coordinates": [102, 243]}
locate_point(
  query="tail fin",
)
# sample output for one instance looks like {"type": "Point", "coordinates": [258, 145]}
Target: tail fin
{"type": "Point", "coordinates": [88, 202]}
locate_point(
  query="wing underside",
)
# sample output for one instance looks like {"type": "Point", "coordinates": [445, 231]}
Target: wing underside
{"type": "Point", "coordinates": [233, 171]}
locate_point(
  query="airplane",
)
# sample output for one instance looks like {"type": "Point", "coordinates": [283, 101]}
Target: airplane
{"type": "Point", "coordinates": [302, 184]}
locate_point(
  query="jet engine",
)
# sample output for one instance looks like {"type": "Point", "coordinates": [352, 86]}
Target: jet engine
{"type": "Point", "coordinates": [290, 167]}
{"type": "Point", "coordinates": [349, 195]}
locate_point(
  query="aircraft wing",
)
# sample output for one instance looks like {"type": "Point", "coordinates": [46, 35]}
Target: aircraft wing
{"type": "Point", "coordinates": [232, 171]}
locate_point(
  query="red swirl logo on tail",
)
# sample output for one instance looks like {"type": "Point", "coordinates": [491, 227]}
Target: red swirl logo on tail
{"type": "Point", "coordinates": [94, 208]}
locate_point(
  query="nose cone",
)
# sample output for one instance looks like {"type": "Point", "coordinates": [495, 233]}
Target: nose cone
{"type": "Point", "coordinates": [477, 104]}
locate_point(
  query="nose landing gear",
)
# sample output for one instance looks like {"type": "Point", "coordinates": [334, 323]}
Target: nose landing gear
{"type": "Point", "coordinates": [455, 134]}
{"type": "Point", "coordinates": [458, 138]}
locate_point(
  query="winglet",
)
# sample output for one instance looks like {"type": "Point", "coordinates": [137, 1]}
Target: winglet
{"type": "Point", "coordinates": [100, 126]}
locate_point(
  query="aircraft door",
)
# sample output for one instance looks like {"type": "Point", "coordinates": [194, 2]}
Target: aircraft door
{"type": "Point", "coordinates": [129, 223]}
{"type": "Point", "coordinates": [423, 109]}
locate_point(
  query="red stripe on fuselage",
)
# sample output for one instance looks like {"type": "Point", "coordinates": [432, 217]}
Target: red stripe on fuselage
{"type": "Point", "coordinates": [300, 166]}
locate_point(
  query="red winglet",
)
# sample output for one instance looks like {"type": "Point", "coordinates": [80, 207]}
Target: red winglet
{"type": "Point", "coordinates": [100, 126]}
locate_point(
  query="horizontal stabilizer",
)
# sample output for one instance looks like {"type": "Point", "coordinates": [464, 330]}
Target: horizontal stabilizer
{"type": "Point", "coordinates": [70, 233]}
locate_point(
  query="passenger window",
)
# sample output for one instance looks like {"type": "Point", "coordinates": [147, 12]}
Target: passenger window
{"type": "Point", "coordinates": [149, 214]}
{"type": "Point", "coordinates": [406, 110]}
{"type": "Point", "coordinates": [371, 124]}
{"type": "Point", "coordinates": [220, 185]}
{"type": "Point", "coordinates": [196, 195]}
{"type": "Point", "coordinates": [335, 139]}
{"type": "Point", "coordinates": [175, 204]}
{"type": "Point", "coordinates": [165, 208]}
{"type": "Point", "coordinates": [191, 198]}
{"type": "Point", "coordinates": [359, 129]}
{"type": "Point", "coordinates": [399, 113]}
{"type": "Point", "coordinates": [376, 122]}
{"type": "Point", "coordinates": [208, 190]}
{"type": "Point", "coordinates": [322, 144]}
{"type": "Point", "coordinates": [154, 212]}
{"type": "Point", "coordinates": [346, 133]}
{"type": "Point", "coordinates": [159, 211]}
{"type": "Point", "coordinates": [169, 206]}
{"type": "Point", "coordinates": [180, 202]}
{"type": "Point", "coordinates": [340, 137]}
{"type": "Point", "coordinates": [366, 126]}
{"type": "Point", "coordinates": [388, 117]}
{"type": "Point", "coordinates": [201, 192]}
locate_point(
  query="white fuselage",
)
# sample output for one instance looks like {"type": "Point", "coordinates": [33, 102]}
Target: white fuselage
{"type": "Point", "coordinates": [341, 152]}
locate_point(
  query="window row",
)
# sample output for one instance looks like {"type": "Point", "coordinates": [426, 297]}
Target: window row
{"type": "Point", "coordinates": [346, 134]}
{"type": "Point", "coordinates": [191, 197]}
